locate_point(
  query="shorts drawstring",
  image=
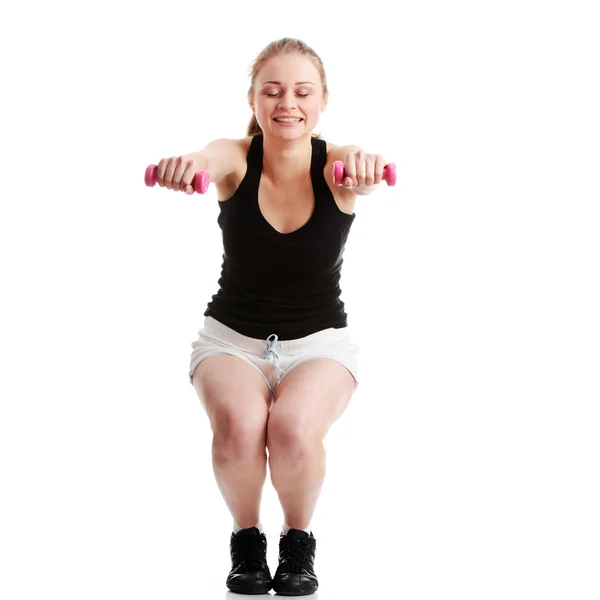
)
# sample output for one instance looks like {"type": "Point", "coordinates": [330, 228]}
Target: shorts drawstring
{"type": "Point", "coordinates": [271, 354]}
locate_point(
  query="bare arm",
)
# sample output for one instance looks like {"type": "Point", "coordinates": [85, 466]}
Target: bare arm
{"type": "Point", "coordinates": [218, 158]}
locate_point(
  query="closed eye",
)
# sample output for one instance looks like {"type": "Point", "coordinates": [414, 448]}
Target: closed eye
{"type": "Point", "coordinates": [273, 95]}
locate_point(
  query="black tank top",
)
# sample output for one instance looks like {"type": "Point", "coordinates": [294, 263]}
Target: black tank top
{"type": "Point", "coordinates": [283, 283]}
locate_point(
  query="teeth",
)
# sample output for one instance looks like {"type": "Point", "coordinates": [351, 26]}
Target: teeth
{"type": "Point", "coordinates": [289, 120]}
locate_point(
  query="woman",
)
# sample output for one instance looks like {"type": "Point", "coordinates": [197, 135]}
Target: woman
{"type": "Point", "coordinates": [274, 365]}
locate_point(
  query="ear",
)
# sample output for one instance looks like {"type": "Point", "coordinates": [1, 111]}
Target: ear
{"type": "Point", "coordinates": [324, 102]}
{"type": "Point", "coordinates": [251, 102]}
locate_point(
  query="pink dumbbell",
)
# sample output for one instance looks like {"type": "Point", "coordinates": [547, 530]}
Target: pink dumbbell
{"type": "Point", "coordinates": [201, 179]}
{"type": "Point", "coordinates": [389, 173]}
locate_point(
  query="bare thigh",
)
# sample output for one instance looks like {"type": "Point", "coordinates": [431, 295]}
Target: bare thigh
{"type": "Point", "coordinates": [234, 396]}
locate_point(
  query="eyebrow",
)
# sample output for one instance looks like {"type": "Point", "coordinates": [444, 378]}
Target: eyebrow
{"type": "Point", "coordinates": [297, 82]}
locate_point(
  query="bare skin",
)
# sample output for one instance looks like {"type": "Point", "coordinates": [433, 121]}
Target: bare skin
{"type": "Point", "coordinates": [307, 402]}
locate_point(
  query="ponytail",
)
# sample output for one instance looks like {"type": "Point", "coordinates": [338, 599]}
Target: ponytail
{"type": "Point", "coordinates": [253, 127]}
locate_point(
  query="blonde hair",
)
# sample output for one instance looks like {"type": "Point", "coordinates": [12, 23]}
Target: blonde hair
{"type": "Point", "coordinates": [282, 46]}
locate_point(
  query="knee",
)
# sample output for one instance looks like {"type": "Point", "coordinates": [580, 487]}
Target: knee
{"type": "Point", "coordinates": [292, 437]}
{"type": "Point", "coordinates": [239, 436]}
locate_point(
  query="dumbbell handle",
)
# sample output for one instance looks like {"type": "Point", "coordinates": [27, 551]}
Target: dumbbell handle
{"type": "Point", "coordinates": [200, 183]}
{"type": "Point", "coordinates": [389, 173]}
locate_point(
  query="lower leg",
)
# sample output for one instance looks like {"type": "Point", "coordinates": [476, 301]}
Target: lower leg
{"type": "Point", "coordinates": [297, 475]}
{"type": "Point", "coordinates": [240, 477]}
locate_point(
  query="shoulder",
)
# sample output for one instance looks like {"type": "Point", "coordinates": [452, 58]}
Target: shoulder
{"type": "Point", "coordinates": [237, 147]}
{"type": "Point", "coordinates": [244, 143]}
{"type": "Point", "coordinates": [229, 146]}
{"type": "Point", "coordinates": [236, 150]}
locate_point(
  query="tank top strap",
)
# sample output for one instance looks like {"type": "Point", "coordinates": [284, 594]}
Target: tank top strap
{"type": "Point", "coordinates": [254, 157]}
{"type": "Point", "coordinates": [254, 160]}
{"type": "Point", "coordinates": [319, 160]}
{"type": "Point", "coordinates": [255, 153]}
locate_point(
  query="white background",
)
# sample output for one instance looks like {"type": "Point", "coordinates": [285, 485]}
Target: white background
{"type": "Point", "coordinates": [466, 465]}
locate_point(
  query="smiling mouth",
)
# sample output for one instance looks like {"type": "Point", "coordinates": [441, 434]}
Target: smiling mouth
{"type": "Point", "coordinates": [288, 119]}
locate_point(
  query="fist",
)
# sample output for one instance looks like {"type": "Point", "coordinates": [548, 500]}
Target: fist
{"type": "Point", "coordinates": [362, 169]}
{"type": "Point", "coordinates": [177, 173]}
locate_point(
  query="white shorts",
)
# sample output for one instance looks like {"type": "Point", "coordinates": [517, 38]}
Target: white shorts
{"type": "Point", "coordinates": [272, 358]}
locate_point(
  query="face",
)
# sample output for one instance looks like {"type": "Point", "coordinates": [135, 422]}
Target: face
{"type": "Point", "coordinates": [288, 85]}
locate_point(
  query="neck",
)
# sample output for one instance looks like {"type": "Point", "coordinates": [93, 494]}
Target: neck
{"type": "Point", "coordinates": [286, 160]}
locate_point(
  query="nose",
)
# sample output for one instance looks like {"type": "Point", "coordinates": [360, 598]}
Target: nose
{"type": "Point", "coordinates": [287, 100]}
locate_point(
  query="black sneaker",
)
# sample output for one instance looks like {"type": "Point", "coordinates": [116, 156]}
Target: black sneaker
{"type": "Point", "coordinates": [295, 575]}
{"type": "Point", "coordinates": [249, 571]}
